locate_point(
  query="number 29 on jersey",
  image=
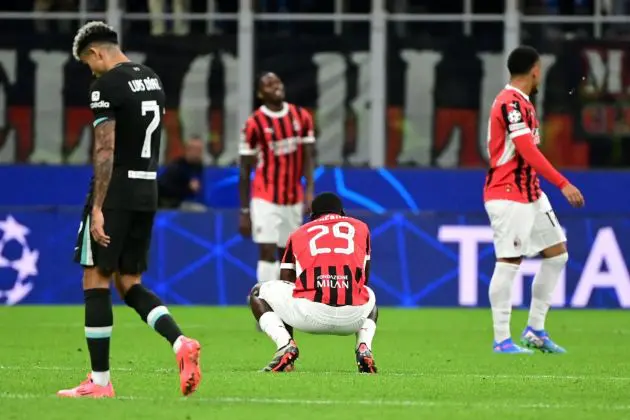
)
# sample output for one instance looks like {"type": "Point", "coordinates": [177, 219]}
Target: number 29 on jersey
{"type": "Point", "coordinates": [341, 230]}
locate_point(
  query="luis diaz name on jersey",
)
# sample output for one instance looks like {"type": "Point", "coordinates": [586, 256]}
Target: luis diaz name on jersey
{"type": "Point", "coordinates": [144, 85]}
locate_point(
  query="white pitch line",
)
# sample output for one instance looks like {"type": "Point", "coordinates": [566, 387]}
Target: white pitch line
{"type": "Point", "coordinates": [213, 326]}
{"type": "Point", "coordinates": [371, 403]}
{"type": "Point", "coordinates": [130, 325]}
{"type": "Point", "coordinates": [542, 377]}
{"type": "Point", "coordinates": [493, 376]}
{"type": "Point", "coordinates": [161, 371]}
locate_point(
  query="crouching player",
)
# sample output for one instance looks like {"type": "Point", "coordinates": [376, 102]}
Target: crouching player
{"type": "Point", "coordinates": [322, 287]}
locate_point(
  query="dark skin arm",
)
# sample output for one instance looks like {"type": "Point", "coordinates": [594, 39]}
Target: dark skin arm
{"type": "Point", "coordinates": [287, 274]}
{"type": "Point", "coordinates": [104, 140]}
{"type": "Point", "coordinates": [245, 223]}
{"type": "Point", "coordinates": [368, 251]}
{"type": "Point", "coordinates": [309, 169]}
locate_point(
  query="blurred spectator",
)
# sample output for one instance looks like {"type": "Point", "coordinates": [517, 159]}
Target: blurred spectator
{"type": "Point", "coordinates": [180, 184]}
{"type": "Point", "coordinates": [279, 6]}
{"type": "Point", "coordinates": [43, 25]}
{"type": "Point", "coordinates": [488, 32]}
{"type": "Point", "coordinates": [538, 34]}
{"type": "Point", "coordinates": [158, 24]}
{"type": "Point", "coordinates": [96, 5]}
{"type": "Point", "coordinates": [12, 27]}
{"type": "Point", "coordinates": [226, 6]}
{"type": "Point", "coordinates": [616, 8]}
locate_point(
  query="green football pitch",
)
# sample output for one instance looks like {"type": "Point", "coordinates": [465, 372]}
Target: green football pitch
{"type": "Point", "coordinates": [434, 364]}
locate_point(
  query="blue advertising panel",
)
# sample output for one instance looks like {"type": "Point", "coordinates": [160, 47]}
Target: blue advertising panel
{"type": "Point", "coordinates": [375, 190]}
{"type": "Point", "coordinates": [426, 259]}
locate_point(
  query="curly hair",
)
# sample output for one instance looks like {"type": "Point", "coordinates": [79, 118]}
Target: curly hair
{"type": "Point", "coordinates": [92, 32]}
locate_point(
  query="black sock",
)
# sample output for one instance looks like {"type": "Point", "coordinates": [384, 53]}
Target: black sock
{"type": "Point", "coordinates": [99, 319]}
{"type": "Point", "coordinates": [153, 312]}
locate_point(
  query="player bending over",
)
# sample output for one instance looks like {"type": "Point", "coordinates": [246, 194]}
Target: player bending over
{"type": "Point", "coordinates": [521, 216]}
{"type": "Point", "coordinates": [115, 233]}
{"type": "Point", "coordinates": [278, 139]}
{"type": "Point", "coordinates": [323, 287]}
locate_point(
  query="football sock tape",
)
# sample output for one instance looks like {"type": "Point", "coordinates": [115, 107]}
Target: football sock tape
{"type": "Point", "coordinates": [153, 312]}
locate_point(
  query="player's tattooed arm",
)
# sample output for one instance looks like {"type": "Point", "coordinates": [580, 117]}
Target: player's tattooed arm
{"type": "Point", "coordinates": [104, 139]}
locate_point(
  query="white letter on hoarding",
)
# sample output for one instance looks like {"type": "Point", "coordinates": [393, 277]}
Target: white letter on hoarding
{"type": "Point", "coordinates": [419, 106]}
{"type": "Point", "coordinates": [48, 112]}
{"type": "Point", "coordinates": [605, 70]}
{"type": "Point", "coordinates": [605, 250]}
{"type": "Point", "coordinates": [8, 63]}
{"type": "Point", "coordinates": [194, 102]}
{"type": "Point", "coordinates": [231, 124]}
{"type": "Point", "coordinates": [331, 108]}
{"type": "Point", "coordinates": [361, 107]}
{"type": "Point", "coordinates": [491, 85]}
{"type": "Point", "coordinates": [468, 238]}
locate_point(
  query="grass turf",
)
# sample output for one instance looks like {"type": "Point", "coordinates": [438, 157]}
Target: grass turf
{"type": "Point", "coordinates": [434, 364]}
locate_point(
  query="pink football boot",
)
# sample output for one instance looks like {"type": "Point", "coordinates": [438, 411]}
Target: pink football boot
{"type": "Point", "coordinates": [88, 389]}
{"type": "Point", "coordinates": [188, 360]}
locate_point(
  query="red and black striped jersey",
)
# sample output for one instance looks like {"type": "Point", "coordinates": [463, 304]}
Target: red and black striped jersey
{"type": "Point", "coordinates": [510, 177]}
{"type": "Point", "coordinates": [329, 256]}
{"type": "Point", "coordinates": [278, 139]}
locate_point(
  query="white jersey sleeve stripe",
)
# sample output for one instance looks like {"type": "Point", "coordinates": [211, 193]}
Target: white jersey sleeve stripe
{"type": "Point", "coordinates": [519, 133]}
{"type": "Point", "coordinates": [508, 151]}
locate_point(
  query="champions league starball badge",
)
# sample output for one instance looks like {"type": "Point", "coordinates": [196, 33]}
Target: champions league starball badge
{"type": "Point", "coordinates": [18, 262]}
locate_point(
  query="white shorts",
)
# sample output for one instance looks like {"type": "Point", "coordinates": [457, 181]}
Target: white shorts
{"type": "Point", "coordinates": [523, 229]}
{"type": "Point", "coordinates": [273, 223]}
{"type": "Point", "coordinates": [314, 317]}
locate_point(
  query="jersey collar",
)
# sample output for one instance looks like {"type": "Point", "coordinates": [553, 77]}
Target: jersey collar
{"type": "Point", "coordinates": [510, 87]}
{"type": "Point", "coordinates": [273, 114]}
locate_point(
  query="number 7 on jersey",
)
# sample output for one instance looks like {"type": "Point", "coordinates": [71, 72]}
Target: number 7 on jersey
{"type": "Point", "coordinates": [150, 106]}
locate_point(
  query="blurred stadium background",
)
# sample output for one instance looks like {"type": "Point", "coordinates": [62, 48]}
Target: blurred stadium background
{"type": "Point", "coordinates": [400, 90]}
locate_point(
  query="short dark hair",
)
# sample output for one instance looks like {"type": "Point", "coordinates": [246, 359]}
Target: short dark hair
{"type": "Point", "coordinates": [326, 203]}
{"type": "Point", "coordinates": [522, 59]}
{"type": "Point", "coordinates": [93, 32]}
{"type": "Point", "coordinates": [260, 76]}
